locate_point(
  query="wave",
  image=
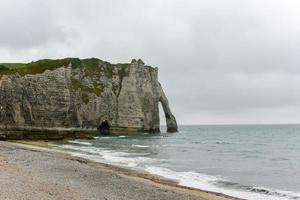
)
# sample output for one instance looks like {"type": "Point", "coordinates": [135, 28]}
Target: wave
{"type": "Point", "coordinates": [110, 137]}
{"type": "Point", "coordinates": [82, 143]}
{"type": "Point", "coordinates": [215, 184]}
{"type": "Point", "coordinates": [140, 146]}
{"type": "Point", "coordinates": [138, 160]}
{"type": "Point", "coordinates": [112, 157]}
{"type": "Point", "coordinates": [104, 137]}
{"type": "Point", "coordinates": [213, 142]}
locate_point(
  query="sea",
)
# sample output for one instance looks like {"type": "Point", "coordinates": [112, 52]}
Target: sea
{"type": "Point", "coordinates": [247, 161]}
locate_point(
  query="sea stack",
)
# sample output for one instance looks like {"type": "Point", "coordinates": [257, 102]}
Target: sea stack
{"type": "Point", "coordinates": [55, 99]}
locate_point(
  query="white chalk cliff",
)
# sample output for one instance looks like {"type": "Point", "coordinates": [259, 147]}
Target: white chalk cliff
{"type": "Point", "coordinates": [79, 94]}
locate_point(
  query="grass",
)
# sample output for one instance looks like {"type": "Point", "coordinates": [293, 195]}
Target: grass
{"type": "Point", "coordinates": [3, 68]}
{"type": "Point", "coordinates": [37, 67]}
{"type": "Point", "coordinates": [13, 65]}
{"type": "Point", "coordinates": [85, 98]}
{"type": "Point", "coordinates": [50, 64]}
{"type": "Point", "coordinates": [91, 68]}
{"type": "Point", "coordinates": [78, 85]}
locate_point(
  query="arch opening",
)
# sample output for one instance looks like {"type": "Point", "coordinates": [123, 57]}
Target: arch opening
{"type": "Point", "coordinates": [169, 117]}
{"type": "Point", "coordinates": [162, 119]}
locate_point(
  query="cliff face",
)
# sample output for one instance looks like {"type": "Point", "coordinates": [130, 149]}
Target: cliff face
{"type": "Point", "coordinates": [73, 93]}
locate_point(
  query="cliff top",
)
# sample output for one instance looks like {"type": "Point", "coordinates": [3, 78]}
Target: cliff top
{"type": "Point", "coordinates": [40, 66]}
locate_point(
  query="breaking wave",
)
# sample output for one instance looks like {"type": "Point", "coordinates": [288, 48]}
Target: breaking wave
{"type": "Point", "coordinates": [215, 184]}
{"type": "Point", "coordinates": [81, 143]}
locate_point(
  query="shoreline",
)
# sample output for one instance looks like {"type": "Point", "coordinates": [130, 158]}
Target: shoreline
{"type": "Point", "coordinates": [9, 133]}
{"type": "Point", "coordinates": [139, 177]}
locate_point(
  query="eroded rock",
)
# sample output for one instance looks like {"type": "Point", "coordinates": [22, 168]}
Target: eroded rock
{"type": "Point", "coordinates": [80, 94]}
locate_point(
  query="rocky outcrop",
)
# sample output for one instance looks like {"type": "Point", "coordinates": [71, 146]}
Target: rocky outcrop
{"type": "Point", "coordinates": [170, 118]}
{"type": "Point", "coordinates": [76, 95]}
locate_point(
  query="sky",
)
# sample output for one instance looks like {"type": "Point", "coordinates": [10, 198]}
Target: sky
{"type": "Point", "coordinates": [220, 61]}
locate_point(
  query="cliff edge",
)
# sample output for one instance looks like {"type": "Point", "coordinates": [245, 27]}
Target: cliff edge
{"type": "Point", "coordinates": [76, 95]}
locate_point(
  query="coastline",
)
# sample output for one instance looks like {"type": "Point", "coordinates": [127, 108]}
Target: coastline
{"type": "Point", "coordinates": [8, 133]}
{"type": "Point", "coordinates": [105, 181]}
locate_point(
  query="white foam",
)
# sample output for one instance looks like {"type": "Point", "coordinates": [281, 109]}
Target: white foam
{"type": "Point", "coordinates": [82, 143]}
{"type": "Point", "coordinates": [190, 179]}
{"type": "Point", "coordinates": [122, 136]}
{"type": "Point", "coordinates": [206, 182]}
{"type": "Point", "coordinates": [112, 157]}
{"type": "Point", "coordinates": [140, 146]}
{"type": "Point", "coordinates": [130, 162]}
{"type": "Point", "coordinates": [103, 137]}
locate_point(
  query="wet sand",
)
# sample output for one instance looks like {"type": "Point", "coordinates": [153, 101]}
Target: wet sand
{"type": "Point", "coordinates": [30, 172]}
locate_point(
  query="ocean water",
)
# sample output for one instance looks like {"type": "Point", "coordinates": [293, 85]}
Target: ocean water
{"type": "Point", "coordinates": [247, 161]}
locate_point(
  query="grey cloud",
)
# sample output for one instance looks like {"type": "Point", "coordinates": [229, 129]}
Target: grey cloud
{"type": "Point", "coordinates": [28, 24]}
{"type": "Point", "coordinates": [219, 61]}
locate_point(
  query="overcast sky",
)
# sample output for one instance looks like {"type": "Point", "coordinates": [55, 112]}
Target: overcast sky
{"type": "Point", "coordinates": [220, 61]}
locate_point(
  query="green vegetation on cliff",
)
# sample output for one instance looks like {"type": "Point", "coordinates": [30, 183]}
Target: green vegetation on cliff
{"type": "Point", "coordinates": [90, 68]}
{"type": "Point", "coordinates": [40, 66]}
{"type": "Point", "coordinates": [96, 89]}
{"type": "Point", "coordinates": [3, 69]}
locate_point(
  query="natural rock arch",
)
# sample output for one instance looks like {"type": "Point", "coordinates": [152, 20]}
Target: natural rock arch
{"type": "Point", "coordinates": [170, 118]}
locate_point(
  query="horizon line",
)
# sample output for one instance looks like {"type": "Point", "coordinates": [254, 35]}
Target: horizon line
{"type": "Point", "coordinates": [241, 124]}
